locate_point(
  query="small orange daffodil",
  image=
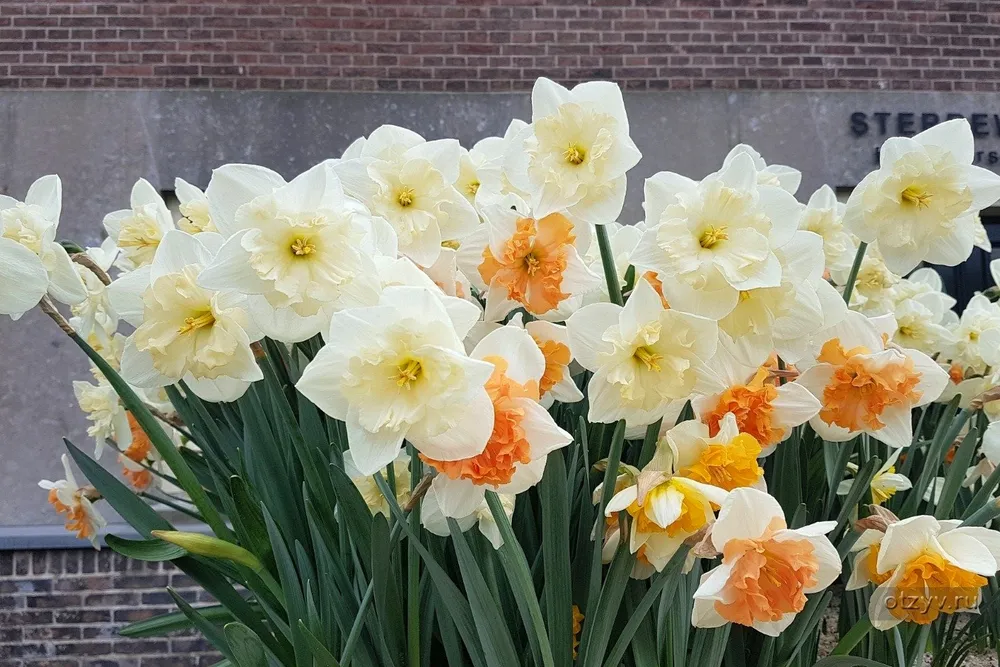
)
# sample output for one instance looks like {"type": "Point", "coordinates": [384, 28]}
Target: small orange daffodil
{"type": "Point", "coordinates": [72, 501]}
{"type": "Point", "coordinates": [523, 431]}
{"type": "Point", "coordinates": [937, 567]}
{"type": "Point", "coordinates": [867, 385]}
{"type": "Point", "coordinates": [767, 568]}
{"type": "Point", "coordinates": [520, 261]}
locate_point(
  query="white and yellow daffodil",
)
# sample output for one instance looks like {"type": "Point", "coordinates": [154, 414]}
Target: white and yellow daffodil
{"type": "Point", "coordinates": [106, 414]}
{"type": "Point", "coordinates": [369, 489]}
{"type": "Point", "coordinates": [95, 317]}
{"type": "Point", "coordinates": [573, 156]}
{"type": "Point", "coordinates": [937, 567]}
{"type": "Point", "coordinates": [138, 230]}
{"type": "Point", "coordinates": [433, 518]}
{"type": "Point", "coordinates": [31, 261]}
{"type": "Point", "coordinates": [824, 215]}
{"type": "Point", "coordinates": [867, 386]}
{"type": "Point", "coordinates": [411, 183]}
{"type": "Point", "coordinates": [298, 250]}
{"type": "Point", "coordinates": [399, 370]}
{"type": "Point", "coordinates": [643, 356]}
{"type": "Point", "coordinates": [767, 568]}
{"type": "Point", "coordinates": [976, 337]}
{"type": "Point", "coordinates": [196, 213]}
{"type": "Point", "coordinates": [779, 175]}
{"type": "Point", "coordinates": [919, 203]}
{"type": "Point", "coordinates": [884, 484]}
{"type": "Point", "coordinates": [185, 331]}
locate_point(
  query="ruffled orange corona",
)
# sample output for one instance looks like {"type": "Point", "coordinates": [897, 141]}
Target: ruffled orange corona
{"type": "Point", "coordinates": [751, 403]}
{"type": "Point", "coordinates": [727, 466]}
{"type": "Point", "coordinates": [508, 445]}
{"type": "Point", "coordinates": [77, 520]}
{"type": "Point", "coordinates": [769, 577]}
{"type": "Point", "coordinates": [930, 586]}
{"type": "Point", "coordinates": [871, 561]}
{"type": "Point", "coordinates": [532, 263]}
{"type": "Point", "coordinates": [557, 358]}
{"type": "Point", "coordinates": [141, 447]}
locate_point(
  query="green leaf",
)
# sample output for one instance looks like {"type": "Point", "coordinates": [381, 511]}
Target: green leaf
{"type": "Point", "coordinates": [519, 576]}
{"type": "Point", "coordinates": [320, 654]}
{"type": "Point", "coordinates": [164, 446]}
{"type": "Point", "coordinates": [848, 661]}
{"type": "Point", "coordinates": [173, 622]}
{"type": "Point", "coordinates": [853, 636]}
{"type": "Point", "coordinates": [599, 623]}
{"type": "Point", "coordinates": [205, 627]}
{"type": "Point", "coordinates": [145, 550]}
{"type": "Point", "coordinates": [248, 520]}
{"type": "Point", "coordinates": [246, 647]}
{"type": "Point", "coordinates": [955, 477]}
{"type": "Point", "coordinates": [553, 498]}
{"type": "Point", "coordinates": [498, 646]}
{"type": "Point", "coordinates": [131, 508]}
{"type": "Point", "coordinates": [861, 486]}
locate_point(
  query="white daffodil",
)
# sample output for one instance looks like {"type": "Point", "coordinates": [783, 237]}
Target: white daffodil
{"type": "Point", "coordinates": [481, 170]}
{"type": "Point", "coordinates": [185, 331]}
{"type": "Point", "coordinates": [738, 384]}
{"type": "Point", "coordinates": [824, 215]}
{"type": "Point", "coordinates": [298, 250]}
{"type": "Point", "coordinates": [767, 568]}
{"type": "Point", "coordinates": [919, 203]}
{"type": "Point", "coordinates": [622, 239]}
{"type": "Point", "coordinates": [369, 489]}
{"type": "Point", "coordinates": [95, 316]}
{"type": "Point", "coordinates": [726, 459]}
{"type": "Point", "coordinates": [106, 414]}
{"type": "Point", "coordinates": [866, 386]}
{"type": "Point", "coordinates": [196, 214]}
{"type": "Point", "coordinates": [937, 568]}
{"type": "Point", "coordinates": [31, 262]}
{"type": "Point", "coordinates": [411, 183]}
{"type": "Point", "coordinates": [522, 261]}
{"type": "Point", "coordinates": [885, 483]}
{"type": "Point", "coordinates": [642, 356]}
{"type": "Point", "coordinates": [779, 175]}
{"type": "Point", "coordinates": [783, 318]}
{"type": "Point", "coordinates": [990, 450]}
{"type": "Point", "coordinates": [874, 288]}
{"type": "Point", "coordinates": [137, 231]}
{"type": "Point", "coordinates": [977, 336]}
{"type": "Point", "coordinates": [865, 568]}
{"type": "Point", "coordinates": [666, 508]}
{"type": "Point", "coordinates": [523, 431]}
{"type": "Point", "coordinates": [574, 155]}
{"type": "Point", "coordinates": [398, 370]}
{"type": "Point", "coordinates": [68, 499]}
{"type": "Point", "coordinates": [712, 240]}
{"type": "Point", "coordinates": [918, 326]}
{"type": "Point", "coordinates": [436, 521]}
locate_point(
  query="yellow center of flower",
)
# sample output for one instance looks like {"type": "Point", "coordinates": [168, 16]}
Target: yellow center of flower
{"type": "Point", "coordinates": [575, 154]}
{"type": "Point", "coordinates": [194, 323]}
{"type": "Point", "coordinates": [871, 560]}
{"type": "Point", "coordinates": [472, 188]}
{"type": "Point", "coordinates": [712, 236]}
{"type": "Point", "coordinates": [648, 357]}
{"type": "Point", "coordinates": [973, 336]}
{"type": "Point", "coordinates": [454, 245]}
{"type": "Point", "coordinates": [880, 494]}
{"type": "Point", "coordinates": [931, 586]}
{"type": "Point", "coordinates": [531, 263]}
{"type": "Point", "coordinates": [302, 247]}
{"type": "Point", "coordinates": [744, 296]}
{"type": "Point", "coordinates": [405, 197]}
{"type": "Point", "coordinates": [916, 196]}
{"type": "Point", "coordinates": [408, 372]}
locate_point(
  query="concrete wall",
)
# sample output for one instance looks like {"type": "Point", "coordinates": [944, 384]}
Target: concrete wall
{"type": "Point", "coordinates": [101, 142]}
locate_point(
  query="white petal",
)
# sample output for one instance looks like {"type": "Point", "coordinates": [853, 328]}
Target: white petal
{"type": "Point", "coordinates": [466, 439]}
{"type": "Point", "coordinates": [967, 552]}
{"type": "Point", "coordinates": [23, 279]}
{"type": "Point", "coordinates": [46, 193]}
{"type": "Point", "coordinates": [586, 328]}
{"type": "Point", "coordinates": [906, 540]}
{"type": "Point", "coordinates": [457, 498]}
{"type": "Point", "coordinates": [233, 185]}
{"type": "Point", "coordinates": [746, 513]}
{"type": "Point", "coordinates": [137, 369]}
{"type": "Point", "coordinates": [953, 135]}
{"type": "Point", "coordinates": [125, 294]}
{"type": "Point", "coordinates": [219, 390]}
{"type": "Point", "coordinates": [371, 451]}
{"type": "Point", "coordinates": [65, 284]}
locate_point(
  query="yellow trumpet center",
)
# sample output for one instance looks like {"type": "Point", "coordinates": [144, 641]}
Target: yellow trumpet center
{"type": "Point", "coordinates": [302, 247]}
{"type": "Point", "coordinates": [408, 372]}
{"type": "Point", "coordinates": [405, 197]}
{"type": "Point", "coordinates": [648, 357]}
{"type": "Point", "coordinates": [194, 323]}
{"type": "Point", "coordinates": [575, 154]}
{"type": "Point", "coordinates": [917, 196]}
{"type": "Point", "coordinates": [712, 236]}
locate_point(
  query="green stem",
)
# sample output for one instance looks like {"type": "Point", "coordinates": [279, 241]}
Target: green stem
{"type": "Point", "coordinates": [608, 260]}
{"type": "Point", "coordinates": [413, 569]}
{"type": "Point", "coordinates": [853, 275]}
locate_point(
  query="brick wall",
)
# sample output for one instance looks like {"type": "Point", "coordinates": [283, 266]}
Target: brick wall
{"type": "Point", "coordinates": [63, 609]}
{"type": "Point", "coordinates": [494, 45]}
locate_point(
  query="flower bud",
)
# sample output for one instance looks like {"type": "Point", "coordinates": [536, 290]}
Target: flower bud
{"type": "Point", "coordinates": [213, 547]}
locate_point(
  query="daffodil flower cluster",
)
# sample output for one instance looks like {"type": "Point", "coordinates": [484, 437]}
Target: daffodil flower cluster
{"type": "Point", "coordinates": [445, 323]}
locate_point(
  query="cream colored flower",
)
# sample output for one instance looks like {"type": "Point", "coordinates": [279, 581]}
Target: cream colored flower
{"type": "Point", "coordinates": [184, 330]}
{"type": "Point", "coordinates": [137, 231]}
{"type": "Point", "coordinates": [712, 240]}
{"type": "Point", "coordinates": [434, 520]}
{"type": "Point", "coordinates": [411, 183]}
{"type": "Point", "coordinates": [369, 490]}
{"type": "Point", "coordinates": [884, 484]}
{"type": "Point", "coordinates": [919, 203]}
{"type": "Point", "coordinates": [779, 175]}
{"type": "Point", "coordinates": [298, 251]}
{"type": "Point", "coordinates": [574, 155]}
{"type": "Point", "coordinates": [95, 316]}
{"type": "Point", "coordinates": [196, 215]}
{"type": "Point", "coordinates": [31, 262]}
{"type": "Point", "coordinates": [68, 499]}
{"type": "Point", "coordinates": [398, 370]}
{"type": "Point", "coordinates": [642, 356]}
{"type": "Point", "coordinates": [106, 414]}
{"type": "Point", "coordinates": [824, 215]}
{"type": "Point", "coordinates": [976, 337]}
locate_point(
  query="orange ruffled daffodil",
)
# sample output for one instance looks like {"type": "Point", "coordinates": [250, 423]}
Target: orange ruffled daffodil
{"type": "Point", "coordinates": [867, 385]}
{"type": "Point", "coordinates": [70, 500]}
{"type": "Point", "coordinates": [767, 568]}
